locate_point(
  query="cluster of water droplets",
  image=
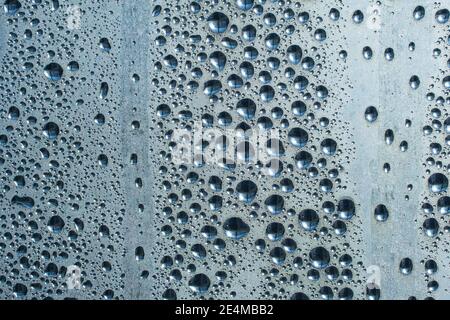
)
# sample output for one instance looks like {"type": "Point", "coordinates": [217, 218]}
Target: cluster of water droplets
{"type": "Point", "coordinates": [279, 227]}
{"type": "Point", "coordinates": [435, 206]}
{"type": "Point", "coordinates": [61, 203]}
{"type": "Point", "coordinates": [98, 179]}
{"type": "Point", "coordinates": [431, 217]}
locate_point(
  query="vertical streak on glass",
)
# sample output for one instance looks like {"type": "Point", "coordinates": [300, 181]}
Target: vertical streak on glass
{"type": "Point", "coordinates": [135, 121]}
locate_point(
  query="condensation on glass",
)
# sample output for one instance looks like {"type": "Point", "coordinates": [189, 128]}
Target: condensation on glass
{"type": "Point", "coordinates": [241, 149]}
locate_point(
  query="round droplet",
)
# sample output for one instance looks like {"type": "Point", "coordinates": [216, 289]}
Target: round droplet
{"type": "Point", "coordinates": [218, 60]}
{"type": "Point", "coordinates": [381, 213]}
{"type": "Point", "coordinates": [235, 228]}
{"type": "Point", "coordinates": [244, 4]}
{"type": "Point", "coordinates": [294, 54]}
{"type": "Point", "coordinates": [328, 146]}
{"type": "Point", "coordinates": [50, 130]}
{"type": "Point", "coordinates": [346, 209]}
{"type": "Point", "coordinates": [299, 296]}
{"type": "Point", "coordinates": [298, 108]}
{"type": "Point", "coordinates": [55, 224]}
{"type": "Point", "coordinates": [389, 54]}
{"type": "Point", "coordinates": [419, 13]}
{"type": "Point", "coordinates": [11, 7]}
{"type": "Point", "coordinates": [246, 108]}
{"type": "Point", "coordinates": [298, 137]}
{"type": "Point", "coordinates": [274, 203]}
{"type": "Point", "coordinates": [308, 219]}
{"type": "Point", "coordinates": [442, 16]}
{"type": "Point", "coordinates": [358, 17]}
{"type": "Point", "coordinates": [414, 82]}
{"type": "Point", "coordinates": [272, 41]}
{"type": "Point", "coordinates": [320, 35]}
{"type": "Point", "coordinates": [430, 227]}
{"type": "Point", "coordinates": [371, 114]}
{"type": "Point", "coordinates": [320, 257]}
{"type": "Point", "coordinates": [303, 160]}
{"type": "Point", "coordinates": [367, 53]}
{"type": "Point", "coordinates": [446, 82]}
{"type": "Point", "coordinates": [275, 231]}
{"type": "Point", "coordinates": [246, 191]}
{"type": "Point", "coordinates": [406, 266]}
{"type": "Point", "coordinates": [212, 87]}
{"type": "Point", "coordinates": [20, 290]}
{"type": "Point", "coordinates": [218, 22]}
{"type": "Point", "coordinates": [199, 283]}
{"type": "Point", "coordinates": [53, 71]}
{"type": "Point", "coordinates": [334, 14]}
{"type": "Point", "coordinates": [443, 205]}
{"type": "Point", "coordinates": [438, 182]}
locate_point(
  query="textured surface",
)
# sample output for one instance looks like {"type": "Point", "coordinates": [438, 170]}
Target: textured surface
{"type": "Point", "coordinates": [331, 183]}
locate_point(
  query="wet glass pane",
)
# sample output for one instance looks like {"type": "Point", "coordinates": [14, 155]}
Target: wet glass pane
{"type": "Point", "coordinates": [240, 149]}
